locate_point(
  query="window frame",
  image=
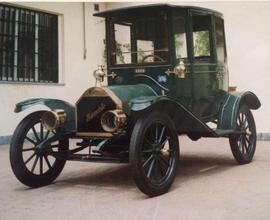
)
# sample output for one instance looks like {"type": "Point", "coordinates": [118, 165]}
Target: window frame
{"type": "Point", "coordinates": [212, 57]}
{"type": "Point", "coordinates": [184, 14]}
{"type": "Point", "coordinates": [110, 39]}
{"type": "Point", "coordinates": [224, 38]}
{"type": "Point", "coordinates": [35, 76]}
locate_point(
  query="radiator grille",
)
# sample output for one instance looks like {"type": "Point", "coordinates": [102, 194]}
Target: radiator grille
{"type": "Point", "coordinates": [89, 112]}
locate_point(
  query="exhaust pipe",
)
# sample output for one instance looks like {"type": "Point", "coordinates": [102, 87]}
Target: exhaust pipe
{"type": "Point", "coordinates": [53, 119]}
{"type": "Point", "coordinates": [113, 121]}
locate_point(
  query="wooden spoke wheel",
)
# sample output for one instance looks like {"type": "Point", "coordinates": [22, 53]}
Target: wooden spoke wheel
{"type": "Point", "coordinates": [243, 145]}
{"type": "Point", "coordinates": [154, 153]}
{"type": "Point", "coordinates": [31, 166]}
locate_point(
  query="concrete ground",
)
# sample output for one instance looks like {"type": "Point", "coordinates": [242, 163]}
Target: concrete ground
{"type": "Point", "coordinates": [209, 185]}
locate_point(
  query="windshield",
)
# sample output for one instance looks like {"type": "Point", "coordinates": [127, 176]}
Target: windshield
{"type": "Point", "coordinates": [139, 40]}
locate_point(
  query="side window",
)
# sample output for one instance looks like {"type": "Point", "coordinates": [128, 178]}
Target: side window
{"type": "Point", "coordinates": [180, 37]}
{"type": "Point", "coordinates": [220, 40]}
{"type": "Point", "coordinates": [123, 44]}
{"type": "Point", "coordinates": [201, 27]}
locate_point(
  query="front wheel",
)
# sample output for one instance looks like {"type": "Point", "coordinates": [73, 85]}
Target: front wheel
{"type": "Point", "coordinates": [32, 167]}
{"type": "Point", "coordinates": [243, 145]}
{"type": "Point", "coordinates": [154, 153]}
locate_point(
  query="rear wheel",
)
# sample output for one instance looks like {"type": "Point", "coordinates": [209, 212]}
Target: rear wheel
{"type": "Point", "coordinates": [32, 167]}
{"type": "Point", "coordinates": [243, 145]}
{"type": "Point", "coordinates": [154, 153]}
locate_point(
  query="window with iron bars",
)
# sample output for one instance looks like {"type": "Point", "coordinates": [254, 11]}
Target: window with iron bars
{"type": "Point", "coordinates": [28, 45]}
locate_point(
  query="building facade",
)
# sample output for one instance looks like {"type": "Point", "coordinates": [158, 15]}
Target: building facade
{"type": "Point", "coordinates": [51, 49]}
{"type": "Point", "coordinates": [64, 34]}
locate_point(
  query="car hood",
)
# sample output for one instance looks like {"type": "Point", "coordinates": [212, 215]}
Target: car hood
{"type": "Point", "coordinates": [128, 93]}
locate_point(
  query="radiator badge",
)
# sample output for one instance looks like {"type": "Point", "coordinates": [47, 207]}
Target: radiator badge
{"type": "Point", "coordinates": [91, 115]}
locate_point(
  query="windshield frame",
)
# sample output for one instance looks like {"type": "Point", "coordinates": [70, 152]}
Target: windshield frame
{"type": "Point", "coordinates": [111, 43]}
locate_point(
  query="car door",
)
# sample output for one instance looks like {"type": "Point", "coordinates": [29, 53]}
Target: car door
{"type": "Point", "coordinates": [221, 55]}
{"type": "Point", "coordinates": [204, 64]}
{"type": "Point", "coordinates": [182, 86]}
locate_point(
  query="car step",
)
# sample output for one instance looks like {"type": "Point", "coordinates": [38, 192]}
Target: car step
{"type": "Point", "coordinates": [225, 132]}
{"type": "Point", "coordinates": [97, 158]}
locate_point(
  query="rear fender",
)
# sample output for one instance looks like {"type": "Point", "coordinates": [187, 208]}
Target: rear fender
{"type": "Point", "coordinates": [52, 104]}
{"type": "Point", "coordinates": [232, 102]}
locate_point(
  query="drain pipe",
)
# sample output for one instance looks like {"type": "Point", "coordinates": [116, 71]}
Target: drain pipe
{"type": "Point", "coordinates": [84, 32]}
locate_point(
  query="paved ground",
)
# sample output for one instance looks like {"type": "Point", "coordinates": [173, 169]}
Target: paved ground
{"type": "Point", "coordinates": [209, 185]}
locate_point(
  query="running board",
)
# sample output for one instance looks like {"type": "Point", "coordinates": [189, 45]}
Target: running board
{"type": "Point", "coordinates": [216, 133]}
{"type": "Point", "coordinates": [97, 158]}
{"type": "Point", "coordinates": [225, 132]}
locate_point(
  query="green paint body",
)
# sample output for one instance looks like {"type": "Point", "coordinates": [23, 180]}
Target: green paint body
{"type": "Point", "coordinates": [52, 104]}
{"type": "Point", "coordinates": [198, 98]}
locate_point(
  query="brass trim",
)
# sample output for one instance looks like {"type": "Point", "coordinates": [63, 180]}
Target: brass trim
{"type": "Point", "coordinates": [98, 92]}
{"type": "Point", "coordinates": [179, 70]}
{"type": "Point", "coordinates": [94, 134]}
{"type": "Point", "coordinates": [101, 92]}
{"type": "Point", "coordinates": [59, 119]}
{"type": "Point", "coordinates": [117, 101]}
{"type": "Point", "coordinates": [120, 121]}
{"type": "Point", "coordinates": [93, 91]}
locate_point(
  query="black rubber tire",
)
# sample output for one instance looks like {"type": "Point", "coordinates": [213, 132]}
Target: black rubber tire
{"type": "Point", "coordinates": [136, 143]}
{"type": "Point", "coordinates": [23, 174]}
{"type": "Point", "coordinates": [243, 146]}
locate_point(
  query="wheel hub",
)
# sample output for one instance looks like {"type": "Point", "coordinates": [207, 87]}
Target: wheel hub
{"type": "Point", "coordinates": [41, 151]}
{"type": "Point", "coordinates": [157, 148]}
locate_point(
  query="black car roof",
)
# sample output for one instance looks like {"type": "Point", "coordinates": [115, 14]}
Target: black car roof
{"type": "Point", "coordinates": [124, 10]}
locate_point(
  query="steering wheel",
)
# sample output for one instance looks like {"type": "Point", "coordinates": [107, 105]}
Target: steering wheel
{"type": "Point", "coordinates": [152, 55]}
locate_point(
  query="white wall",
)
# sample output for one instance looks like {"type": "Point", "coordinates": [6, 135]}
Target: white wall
{"type": "Point", "coordinates": [248, 47]}
{"type": "Point", "coordinates": [76, 73]}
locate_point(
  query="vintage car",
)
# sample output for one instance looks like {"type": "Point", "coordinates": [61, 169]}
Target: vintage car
{"type": "Point", "coordinates": [167, 76]}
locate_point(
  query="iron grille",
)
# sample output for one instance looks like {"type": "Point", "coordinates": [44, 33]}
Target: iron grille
{"type": "Point", "coordinates": [28, 45]}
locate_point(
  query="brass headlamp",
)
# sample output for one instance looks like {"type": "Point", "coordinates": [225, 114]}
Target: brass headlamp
{"type": "Point", "coordinates": [99, 75]}
{"type": "Point", "coordinates": [113, 121]}
{"type": "Point", "coordinates": [53, 119]}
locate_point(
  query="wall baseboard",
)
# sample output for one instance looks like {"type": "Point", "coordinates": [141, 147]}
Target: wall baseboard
{"type": "Point", "coordinates": [263, 136]}
{"type": "Point", "coordinates": [5, 139]}
{"type": "Point", "coordinates": [260, 137]}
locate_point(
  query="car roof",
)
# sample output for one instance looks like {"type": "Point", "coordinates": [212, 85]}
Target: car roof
{"type": "Point", "coordinates": [137, 8]}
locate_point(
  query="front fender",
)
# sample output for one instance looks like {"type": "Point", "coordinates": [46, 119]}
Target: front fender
{"type": "Point", "coordinates": [232, 101]}
{"type": "Point", "coordinates": [52, 104]}
{"type": "Point", "coordinates": [185, 121]}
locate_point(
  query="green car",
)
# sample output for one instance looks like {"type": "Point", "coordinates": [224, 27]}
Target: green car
{"type": "Point", "coordinates": [167, 76]}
